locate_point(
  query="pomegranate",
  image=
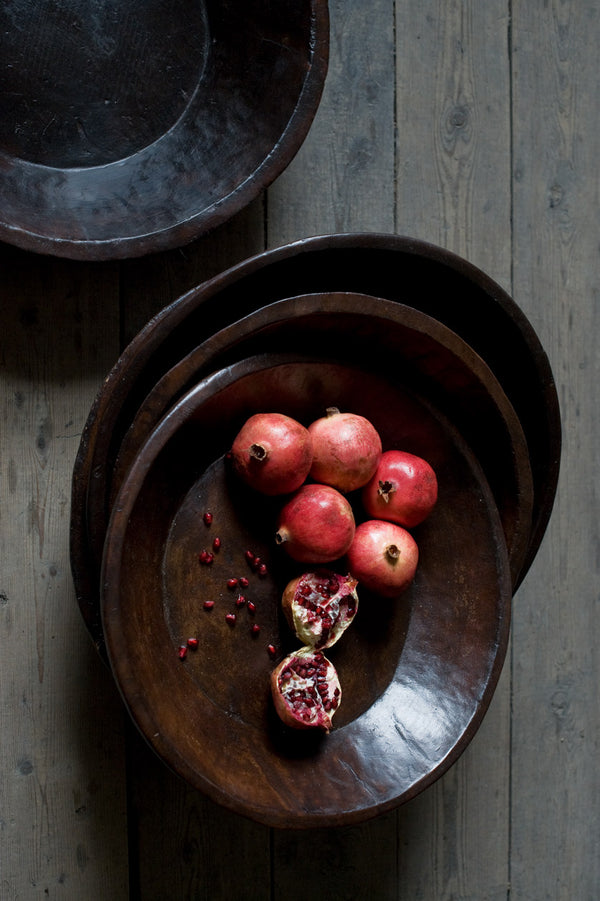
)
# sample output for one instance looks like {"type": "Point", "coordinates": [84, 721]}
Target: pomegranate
{"type": "Point", "coordinates": [346, 450]}
{"type": "Point", "coordinates": [316, 525]}
{"type": "Point", "coordinates": [319, 606]}
{"type": "Point", "coordinates": [404, 489]}
{"type": "Point", "coordinates": [383, 557]}
{"type": "Point", "coordinates": [306, 690]}
{"type": "Point", "coordinates": [272, 453]}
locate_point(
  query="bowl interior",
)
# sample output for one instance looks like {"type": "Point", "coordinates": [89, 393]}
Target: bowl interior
{"type": "Point", "coordinates": [417, 674]}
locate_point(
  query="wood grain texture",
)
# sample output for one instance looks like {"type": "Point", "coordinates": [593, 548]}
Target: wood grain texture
{"type": "Point", "coordinates": [62, 805]}
{"type": "Point", "coordinates": [556, 711]}
{"type": "Point", "coordinates": [453, 189]}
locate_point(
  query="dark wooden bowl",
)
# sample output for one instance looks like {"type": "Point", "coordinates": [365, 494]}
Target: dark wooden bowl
{"type": "Point", "coordinates": [395, 341]}
{"type": "Point", "coordinates": [131, 128]}
{"type": "Point", "coordinates": [417, 673]}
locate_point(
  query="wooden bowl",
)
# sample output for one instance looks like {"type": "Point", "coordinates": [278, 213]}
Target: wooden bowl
{"type": "Point", "coordinates": [155, 124]}
{"type": "Point", "coordinates": [393, 340]}
{"type": "Point", "coordinates": [417, 673]}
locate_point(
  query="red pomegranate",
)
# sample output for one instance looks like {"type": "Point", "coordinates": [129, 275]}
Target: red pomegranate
{"type": "Point", "coordinates": [404, 489]}
{"type": "Point", "coordinates": [272, 453]}
{"type": "Point", "coordinates": [306, 690]}
{"type": "Point", "coordinates": [319, 606]}
{"type": "Point", "coordinates": [346, 450]}
{"type": "Point", "coordinates": [383, 557]}
{"type": "Point", "coordinates": [316, 525]}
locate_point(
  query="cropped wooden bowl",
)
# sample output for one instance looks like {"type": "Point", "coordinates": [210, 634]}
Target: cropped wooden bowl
{"type": "Point", "coordinates": [390, 339]}
{"type": "Point", "coordinates": [417, 673]}
{"type": "Point", "coordinates": [132, 128]}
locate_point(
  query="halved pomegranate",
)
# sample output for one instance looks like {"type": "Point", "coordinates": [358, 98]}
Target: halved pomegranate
{"type": "Point", "coordinates": [319, 606]}
{"type": "Point", "coordinates": [306, 690]}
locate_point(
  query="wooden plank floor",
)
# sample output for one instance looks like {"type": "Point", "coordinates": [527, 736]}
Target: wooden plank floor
{"type": "Point", "coordinates": [474, 126]}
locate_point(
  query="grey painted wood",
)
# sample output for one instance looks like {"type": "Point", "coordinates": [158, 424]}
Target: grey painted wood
{"type": "Point", "coordinates": [470, 125]}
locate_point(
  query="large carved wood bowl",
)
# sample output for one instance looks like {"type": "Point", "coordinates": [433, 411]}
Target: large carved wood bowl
{"type": "Point", "coordinates": [391, 339]}
{"type": "Point", "coordinates": [128, 128]}
{"type": "Point", "coordinates": [417, 673]}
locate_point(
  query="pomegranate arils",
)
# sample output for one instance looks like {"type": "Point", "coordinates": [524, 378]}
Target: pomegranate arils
{"type": "Point", "coordinates": [244, 582]}
{"type": "Point", "coordinates": [208, 518]}
{"type": "Point", "coordinates": [232, 583]}
{"type": "Point", "coordinates": [231, 618]}
{"type": "Point", "coordinates": [319, 606]}
{"type": "Point", "coordinates": [216, 544]}
{"type": "Point", "coordinates": [304, 690]}
{"type": "Point", "coordinates": [249, 555]}
{"type": "Point", "coordinates": [182, 652]}
{"type": "Point", "coordinates": [255, 628]}
{"type": "Point", "coordinates": [262, 570]}
{"type": "Point", "coordinates": [251, 607]}
{"type": "Point", "coordinates": [208, 605]}
{"type": "Point", "coordinates": [271, 650]}
{"type": "Point", "coordinates": [206, 558]}
{"type": "Point", "coordinates": [240, 600]}
{"type": "Point", "coordinates": [192, 643]}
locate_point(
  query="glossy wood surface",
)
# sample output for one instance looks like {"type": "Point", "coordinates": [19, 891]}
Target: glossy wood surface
{"type": "Point", "coordinates": [417, 674]}
{"type": "Point", "coordinates": [126, 129]}
{"type": "Point", "coordinates": [470, 125]}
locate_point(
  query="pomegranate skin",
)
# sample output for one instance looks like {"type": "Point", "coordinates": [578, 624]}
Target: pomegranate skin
{"type": "Point", "coordinates": [272, 453]}
{"type": "Point", "coordinates": [346, 450]}
{"type": "Point", "coordinates": [316, 525]}
{"type": "Point", "coordinates": [319, 606]}
{"type": "Point", "coordinates": [404, 489]}
{"type": "Point", "coordinates": [383, 557]}
{"type": "Point", "coordinates": [306, 690]}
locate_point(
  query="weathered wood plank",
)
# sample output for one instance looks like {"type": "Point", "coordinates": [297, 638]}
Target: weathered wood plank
{"type": "Point", "coordinates": [556, 718]}
{"type": "Point", "coordinates": [453, 189]}
{"type": "Point", "coordinates": [62, 794]}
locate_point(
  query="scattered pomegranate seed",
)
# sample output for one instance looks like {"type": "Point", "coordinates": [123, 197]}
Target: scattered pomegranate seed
{"type": "Point", "coordinates": [232, 583]}
{"type": "Point", "coordinates": [249, 555]}
{"type": "Point", "coordinates": [208, 518]}
{"type": "Point", "coordinates": [240, 600]}
{"type": "Point", "coordinates": [208, 605]}
{"type": "Point", "coordinates": [216, 544]}
{"type": "Point", "coordinates": [262, 570]}
{"type": "Point", "coordinates": [182, 652]}
{"type": "Point", "coordinates": [256, 563]}
{"type": "Point", "coordinates": [192, 643]}
{"type": "Point", "coordinates": [206, 557]}
{"type": "Point", "coordinates": [255, 629]}
{"type": "Point", "coordinates": [251, 607]}
{"type": "Point", "coordinates": [271, 650]}
{"type": "Point", "coordinates": [244, 582]}
{"type": "Point", "coordinates": [230, 617]}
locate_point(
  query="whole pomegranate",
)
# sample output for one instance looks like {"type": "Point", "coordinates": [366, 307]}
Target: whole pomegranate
{"type": "Point", "coordinates": [319, 606]}
{"type": "Point", "coordinates": [346, 450]}
{"type": "Point", "coordinates": [404, 489]}
{"type": "Point", "coordinates": [306, 690]}
{"type": "Point", "coordinates": [383, 557]}
{"type": "Point", "coordinates": [272, 453]}
{"type": "Point", "coordinates": [316, 525]}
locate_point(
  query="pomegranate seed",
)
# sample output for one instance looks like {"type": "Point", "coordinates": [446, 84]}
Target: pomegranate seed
{"type": "Point", "coordinates": [216, 544]}
{"type": "Point", "coordinates": [244, 582]}
{"type": "Point", "coordinates": [271, 650]}
{"type": "Point", "coordinates": [257, 563]}
{"type": "Point", "coordinates": [231, 583]}
{"type": "Point", "coordinates": [192, 643]}
{"type": "Point", "coordinates": [249, 555]}
{"type": "Point", "coordinates": [251, 607]}
{"type": "Point", "coordinates": [208, 605]}
{"type": "Point", "coordinates": [206, 557]}
{"type": "Point", "coordinates": [208, 518]}
{"type": "Point", "coordinates": [262, 570]}
{"type": "Point", "coordinates": [230, 617]}
{"type": "Point", "coordinates": [240, 600]}
{"type": "Point", "coordinates": [255, 629]}
{"type": "Point", "coordinates": [182, 652]}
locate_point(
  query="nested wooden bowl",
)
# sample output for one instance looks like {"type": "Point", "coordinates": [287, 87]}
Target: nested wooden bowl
{"type": "Point", "coordinates": [395, 341]}
{"type": "Point", "coordinates": [417, 673]}
{"type": "Point", "coordinates": [158, 123]}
